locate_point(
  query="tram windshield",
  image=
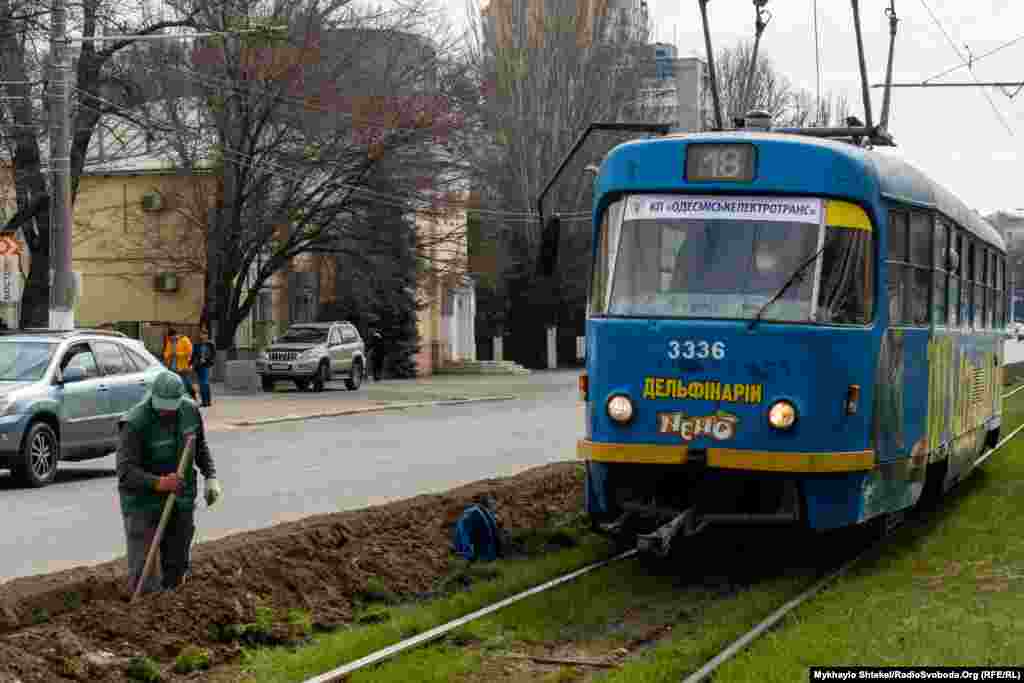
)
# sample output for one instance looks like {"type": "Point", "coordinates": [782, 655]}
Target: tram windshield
{"type": "Point", "coordinates": [731, 268]}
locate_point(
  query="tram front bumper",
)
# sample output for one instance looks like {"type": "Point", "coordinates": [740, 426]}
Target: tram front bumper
{"type": "Point", "coordinates": [727, 458]}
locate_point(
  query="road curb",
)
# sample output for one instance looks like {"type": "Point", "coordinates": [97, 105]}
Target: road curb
{"type": "Point", "coordinates": [372, 409]}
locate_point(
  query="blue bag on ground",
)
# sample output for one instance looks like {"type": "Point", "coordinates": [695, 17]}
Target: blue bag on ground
{"type": "Point", "coordinates": [476, 535]}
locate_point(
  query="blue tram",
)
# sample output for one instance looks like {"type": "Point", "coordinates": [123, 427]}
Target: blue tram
{"type": "Point", "coordinates": [783, 329]}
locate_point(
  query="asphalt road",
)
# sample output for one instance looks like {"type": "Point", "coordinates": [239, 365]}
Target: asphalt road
{"type": "Point", "coordinates": [283, 472]}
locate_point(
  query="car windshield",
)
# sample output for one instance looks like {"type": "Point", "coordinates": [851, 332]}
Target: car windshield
{"type": "Point", "coordinates": [305, 335]}
{"type": "Point", "coordinates": [699, 257]}
{"type": "Point", "coordinates": [25, 361]}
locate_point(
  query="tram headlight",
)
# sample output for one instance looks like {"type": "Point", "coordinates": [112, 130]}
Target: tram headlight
{"type": "Point", "coordinates": [620, 409]}
{"type": "Point", "coordinates": [782, 415]}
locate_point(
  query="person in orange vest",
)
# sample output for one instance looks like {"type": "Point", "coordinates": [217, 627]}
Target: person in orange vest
{"type": "Point", "coordinates": [178, 358]}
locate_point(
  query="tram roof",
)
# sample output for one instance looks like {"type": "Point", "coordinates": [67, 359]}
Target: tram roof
{"type": "Point", "coordinates": [897, 178]}
{"type": "Point", "coordinates": [902, 181]}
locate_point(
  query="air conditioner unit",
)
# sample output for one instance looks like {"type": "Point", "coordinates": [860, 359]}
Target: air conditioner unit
{"type": "Point", "coordinates": [166, 282]}
{"type": "Point", "coordinates": [152, 201]}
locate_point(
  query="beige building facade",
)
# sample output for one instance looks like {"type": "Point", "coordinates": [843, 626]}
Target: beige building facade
{"type": "Point", "coordinates": [447, 323]}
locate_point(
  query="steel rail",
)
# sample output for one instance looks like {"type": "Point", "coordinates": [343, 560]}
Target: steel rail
{"type": "Point", "coordinates": [1013, 392]}
{"type": "Point", "coordinates": [435, 633]}
{"type": "Point", "coordinates": [728, 653]}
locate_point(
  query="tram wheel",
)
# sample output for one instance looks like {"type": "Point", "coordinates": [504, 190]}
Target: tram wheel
{"type": "Point", "coordinates": [934, 478]}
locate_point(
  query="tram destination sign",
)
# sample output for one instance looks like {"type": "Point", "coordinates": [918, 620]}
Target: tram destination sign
{"type": "Point", "coordinates": [709, 162]}
{"type": "Point", "coordinates": [728, 208]}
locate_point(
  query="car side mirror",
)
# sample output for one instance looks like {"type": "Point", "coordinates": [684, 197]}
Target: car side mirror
{"type": "Point", "coordinates": [71, 375]}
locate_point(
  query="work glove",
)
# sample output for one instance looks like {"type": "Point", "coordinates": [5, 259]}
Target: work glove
{"type": "Point", "coordinates": [171, 483]}
{"type": "Point", "coordinates": [212, 492]}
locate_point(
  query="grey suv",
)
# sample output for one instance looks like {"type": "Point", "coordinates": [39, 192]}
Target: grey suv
{"type": "Point", "coordinates": [63, 394]}
{"type": "Point", "coordinates": [313, 353]}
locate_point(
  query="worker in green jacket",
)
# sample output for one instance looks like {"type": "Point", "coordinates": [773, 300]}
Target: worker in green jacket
{"type": "Point", "coordinates": [152, 441]}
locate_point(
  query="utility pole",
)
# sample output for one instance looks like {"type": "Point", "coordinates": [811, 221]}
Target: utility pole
{"type": "Point", "coordinates": [62, 315]}
{"type": "Point", "coordinates": [62, 282]}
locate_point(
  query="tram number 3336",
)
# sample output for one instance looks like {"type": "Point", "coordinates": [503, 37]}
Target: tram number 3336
{"type": "Point", "coordinates": [696, 349]}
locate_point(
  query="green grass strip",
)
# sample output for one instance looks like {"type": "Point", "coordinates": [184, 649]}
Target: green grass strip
{"type": "Point", "coordinates": [332, 650]}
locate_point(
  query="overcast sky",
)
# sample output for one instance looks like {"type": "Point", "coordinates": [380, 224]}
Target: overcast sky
{"type": "Point", "coordinates": [952, 134]}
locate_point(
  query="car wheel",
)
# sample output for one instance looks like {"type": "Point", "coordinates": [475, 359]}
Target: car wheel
{"type": "Point", "coordinates": [356, 378]}
{"type": "Point", "coordinates": [322, 374]}
{"type": "Point", "coordinates": [268, 384]}
{"type": "Point", "coordinates": [301, 384]}
{"type": "Point", "coordinates": [40, 452]}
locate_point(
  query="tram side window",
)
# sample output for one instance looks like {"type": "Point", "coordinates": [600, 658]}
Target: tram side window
{"type": "Point", "coordinates": [607, 246]}
{"type": "Point", "coordinates": [941, 276]}
{"type": "Point", "coordinates": [966, 288]}
{"type": "Point", "coordinates": [846, 295]}
{"type": "Point", "coordinates": [1001, 307]}
{"type": "Point", "coordinates": [910, 263]}
{"type": "Point", "coordinates": [919, 274]}
{"type": "Point", "coordinates": [979, 286]}
{"type": "Point", "coordinates": [956, 268]}
{"type": "Point", "coordinates": [600, 276]}
{"type": "Point", "coordinates": [1007, 290]}
{"type": "Point", "coordinates": [986, 278]}
{"type": "Point", "coordinates": [896, 265]}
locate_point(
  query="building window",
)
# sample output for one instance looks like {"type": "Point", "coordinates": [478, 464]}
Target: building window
{"type": "Point", "coordinates": [264, 308]}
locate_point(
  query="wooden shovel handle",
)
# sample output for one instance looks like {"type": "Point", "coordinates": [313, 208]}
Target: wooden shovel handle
{"type": "Point", "coordinates": [183, 463]}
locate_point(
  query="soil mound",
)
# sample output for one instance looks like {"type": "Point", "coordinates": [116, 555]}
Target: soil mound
{"type": "Point", "coordinates": [77, 625]}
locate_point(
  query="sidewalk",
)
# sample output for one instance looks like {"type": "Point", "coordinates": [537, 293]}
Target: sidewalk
{"type": "Point", "coordinates": [234, 410]}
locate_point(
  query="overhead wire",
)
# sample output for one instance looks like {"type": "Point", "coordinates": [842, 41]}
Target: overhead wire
{"type": "Point", "coordinates": [817, 65]}
{"type": "Point", "coordinates": [969, 63]}
{"type": "Point", "coordinates": [975, 60]}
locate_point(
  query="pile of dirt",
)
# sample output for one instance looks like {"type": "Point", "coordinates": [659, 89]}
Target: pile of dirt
{"type": "Point", "coordinates": [77, 624]}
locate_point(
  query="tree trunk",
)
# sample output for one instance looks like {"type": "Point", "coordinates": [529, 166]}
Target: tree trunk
{"type": "Point", "coordinates": [35, 300]}
{"type": "Point", "coordinates": [29, 180]}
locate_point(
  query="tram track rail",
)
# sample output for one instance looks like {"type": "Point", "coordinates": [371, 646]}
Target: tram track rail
{"type": "Point", "coordinates": [340, 673]}
{"type": "Point", "coordinates": [778, 615]}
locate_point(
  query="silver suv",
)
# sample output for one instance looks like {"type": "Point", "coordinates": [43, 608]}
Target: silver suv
{"type": "Point", "coordinates": [63, 396]}
{"type": "Point", "coordinates": [312, 354]}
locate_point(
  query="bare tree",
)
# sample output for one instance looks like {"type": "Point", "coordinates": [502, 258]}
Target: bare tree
{"type": "Point", "coordinates": [545, 77]}
{"type": "Point", "coordinates": [807, 110]}
{"type": "Point", "coordinates": [771, 91]}
{"type": "Point", "coordinates": [281, 164]}
{"type": "Point", "coordinates": [23, 67]}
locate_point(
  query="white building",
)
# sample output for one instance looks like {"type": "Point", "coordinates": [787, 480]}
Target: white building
{"type": "Point", "coordinates": [675, 91]}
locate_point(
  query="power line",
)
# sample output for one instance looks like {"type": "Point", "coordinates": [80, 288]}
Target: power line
{"type": "Point", "coordinates": [969, 62]}
{"type": "Point", "coordinates": [817, 64]}
{"type": "Point", "coordinates": [956, 84]}
{"type": "Point", "coordinates": [975, 60]}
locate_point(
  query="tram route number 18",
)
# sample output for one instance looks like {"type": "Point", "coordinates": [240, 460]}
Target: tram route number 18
{"type": "Point", "coordinates": [696, 349]}
{"type": "Point", "coordinates": [722, 163]}
{"type": "Point", "coordinates": [709, 162]}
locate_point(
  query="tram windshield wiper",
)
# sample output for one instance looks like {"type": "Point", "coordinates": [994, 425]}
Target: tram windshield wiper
{"type": "Point", "coordinates": [797, 275]}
